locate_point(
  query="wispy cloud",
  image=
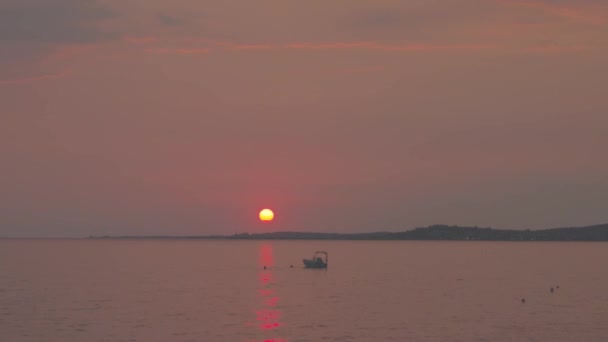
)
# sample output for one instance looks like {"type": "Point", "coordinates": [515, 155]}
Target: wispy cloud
{"type": "Point", "coordinates": [193, 46]}
{"type": "Point", "coordinates": [52, 22]}
{"type": "Point", "coordinates": [168, 20]}
{"type": "Point", "coordinates": [361, 69]}
{"type": "Point", "coordinates": [41, 32]}
{"type": "Point", "coordinates": [252, 47]}
{"type": "Point", "coordinates": [576, 11]}
{"type": "Point", "coordinates": [554, 49]}
{"type": "Point", "coordinates": [204, 46]}
{"type": "Point", "coordinates": [390, 47]}
{"type": "Point", "coordinates": [30, 79]}
{"type": "Point", "coordinates": [140, 39]}
{"type": "Point", "coordinates": [179, 51]}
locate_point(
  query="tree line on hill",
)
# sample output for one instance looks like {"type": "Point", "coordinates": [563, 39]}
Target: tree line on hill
{"type": "Point", "coordinates": [435, 232]}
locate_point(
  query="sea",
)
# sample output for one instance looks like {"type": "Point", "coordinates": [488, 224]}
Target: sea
{"type": "Point", "coordinates": [92, 290]}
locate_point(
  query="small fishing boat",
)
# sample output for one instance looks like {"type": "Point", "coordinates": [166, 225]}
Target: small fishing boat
{"type": "Point", "coordinates": [319, 260]}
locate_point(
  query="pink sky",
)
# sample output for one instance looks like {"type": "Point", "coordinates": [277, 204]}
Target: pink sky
{"type": "Point", "coordinates": [187, 117]}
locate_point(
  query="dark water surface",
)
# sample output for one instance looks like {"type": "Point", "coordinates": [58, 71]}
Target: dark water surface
{"type": "Point", "coordinates": [196, 290]}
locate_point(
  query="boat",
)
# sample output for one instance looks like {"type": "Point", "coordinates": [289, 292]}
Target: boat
{"type": "Point", "coordinates": [319, 260]}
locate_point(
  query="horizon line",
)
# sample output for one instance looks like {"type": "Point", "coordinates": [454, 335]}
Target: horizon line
{"type": "Point", "coordinates": [233, 235]}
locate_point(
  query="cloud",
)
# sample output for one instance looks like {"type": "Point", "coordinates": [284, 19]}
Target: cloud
{"type": "Point", "coordinates": [140, 40]}
{"type": "Point", "coordinates": [430, 21]}
{"type": "Point", "coordinates": [34, 32]}
{"type": "Point", "coordinates": [362, 69]}
{"type": "Point", "coordinates": [204, 46]}
{"type": "Point", "coordinates": [554, 49]}
{"type": "Point", "coordinates": [192, 46]}
{"type": "Point", "coordinates": [168, 20]}
{"type": "Point", "coordinates": [379, 18]}
{"type": "Point", "coordinates": [578, 11]}
{"type": "Point", "coordinates": [179, 51]}
{"type": "Point", "coordinates": [390, 47]}
{"type": "Point", "coordinates": [251, 46]}
{"type": "Point", "coordinates": [35, 78]}
{"type": "Point", "coordinates": [52, 22]}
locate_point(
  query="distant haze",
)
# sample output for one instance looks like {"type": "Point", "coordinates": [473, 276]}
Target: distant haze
{"type": "Point", "coordinates": [188, 117]}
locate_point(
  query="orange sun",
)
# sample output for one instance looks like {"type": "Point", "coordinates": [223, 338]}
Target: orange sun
{"type": "Point", "coordinates": [266, 215]}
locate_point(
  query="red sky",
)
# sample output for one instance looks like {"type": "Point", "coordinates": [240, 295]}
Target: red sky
{"type": "Point", "coordinates": [187, 117]}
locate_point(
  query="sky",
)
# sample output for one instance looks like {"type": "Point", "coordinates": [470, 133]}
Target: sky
{"type": "Point", "coordinates": [187, 117]}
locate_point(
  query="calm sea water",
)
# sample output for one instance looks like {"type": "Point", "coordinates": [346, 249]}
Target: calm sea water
{"type": "Point", "coordinates": [188, 290]}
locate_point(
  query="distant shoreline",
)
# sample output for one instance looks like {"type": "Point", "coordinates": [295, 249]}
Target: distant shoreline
{"type": "Point", "coordinates": [597, 233]}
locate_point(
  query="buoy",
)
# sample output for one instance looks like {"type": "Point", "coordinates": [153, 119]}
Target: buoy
{"type": "Point", "coordinates": [551, 290]}
{"type": "Point", "coordinates": [523, 300]}
{"type": "Point", "coordinates": [264, 267]}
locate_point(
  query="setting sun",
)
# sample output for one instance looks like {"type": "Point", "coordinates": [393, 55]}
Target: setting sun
{"type": "Point", "coordinates": [266, 215]}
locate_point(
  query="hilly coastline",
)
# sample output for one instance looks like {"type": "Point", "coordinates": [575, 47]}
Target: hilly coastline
{"type": "Point", "coordinates": [435, 232]}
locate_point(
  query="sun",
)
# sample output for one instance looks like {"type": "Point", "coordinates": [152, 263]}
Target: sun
{"type": "Point", "coordinates": [266, 215]}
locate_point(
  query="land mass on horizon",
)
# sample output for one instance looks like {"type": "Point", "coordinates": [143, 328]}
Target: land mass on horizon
{"type": "Point", "coordinates": [435, 232]}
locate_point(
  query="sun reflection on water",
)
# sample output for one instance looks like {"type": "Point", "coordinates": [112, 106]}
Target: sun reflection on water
{"type": "Point", "coordinates": [268, 317]}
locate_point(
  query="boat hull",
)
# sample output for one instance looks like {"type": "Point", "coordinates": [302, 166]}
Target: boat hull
{"type": "Point", "coordinates": [313, 264]}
